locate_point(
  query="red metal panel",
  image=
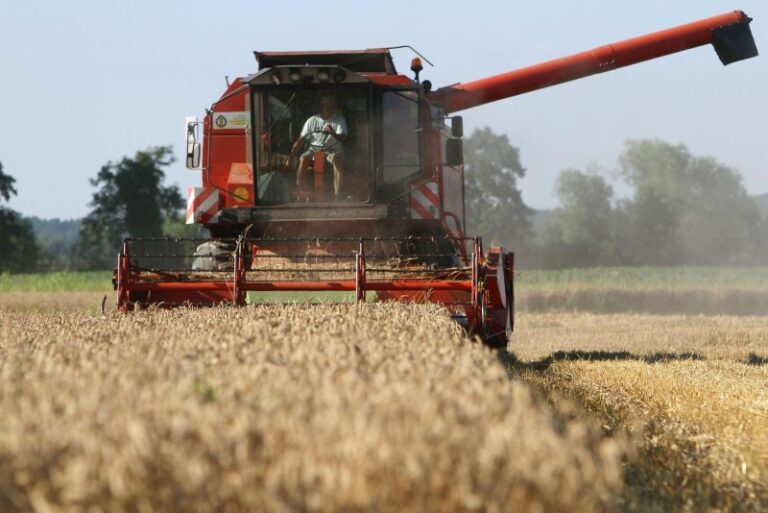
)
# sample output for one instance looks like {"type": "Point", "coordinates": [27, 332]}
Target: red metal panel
{"type": "Point", "coordinates": [240, 185]}
{"type": "Point", "coordinates": [350, 285]}
{"type": "Point", "coordinates": [391, 80]}
{"type": "Point", "coordinates": [224, 146]}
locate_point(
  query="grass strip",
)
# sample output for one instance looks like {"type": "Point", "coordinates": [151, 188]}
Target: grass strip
{"type": "Point", "coordinates": [61, 281]}
{"type": "Point", "coordinates": [645, 278]}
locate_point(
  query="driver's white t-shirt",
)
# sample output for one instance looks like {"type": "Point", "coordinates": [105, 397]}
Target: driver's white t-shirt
{"type": "Point", "coordinates": [315, 126]}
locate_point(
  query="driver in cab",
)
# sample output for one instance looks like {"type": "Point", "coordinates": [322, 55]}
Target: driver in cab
{"type": "Point", "coordinates": [323, 132]}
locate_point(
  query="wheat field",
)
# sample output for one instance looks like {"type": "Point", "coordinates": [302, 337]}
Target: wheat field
{"type": "Point", "coordinates": [690, 392]}
{"type": "Point", "coordinates": [377, 407]}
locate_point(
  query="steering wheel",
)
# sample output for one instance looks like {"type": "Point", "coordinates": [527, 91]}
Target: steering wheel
{"type": "Point", "coordinates": [328, 142]}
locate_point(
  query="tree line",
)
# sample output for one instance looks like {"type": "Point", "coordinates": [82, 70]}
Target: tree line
{"type": "Point", "coordinates": [683, 210]}
{"type": "Point", "coordinates": [130, 201]}
{"type": "Point", "coordinates": [18, 246]}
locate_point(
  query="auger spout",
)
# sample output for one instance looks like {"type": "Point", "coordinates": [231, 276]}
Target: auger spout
{"type": "Point", "coordinates": [729, 33]}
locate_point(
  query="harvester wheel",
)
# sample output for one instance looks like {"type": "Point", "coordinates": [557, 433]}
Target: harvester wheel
{"type": "Point", "coordinates": [499, 339]}
{"type": "Point", "coordinates": [496, 302]}
{"type": "Point", "coordinates": [214, 255]}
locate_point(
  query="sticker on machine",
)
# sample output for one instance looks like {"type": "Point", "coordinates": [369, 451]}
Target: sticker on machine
{"type": "Point", "coordinates": [231, 120]}
{"type": "Point", "coordinates": [202, 204]}
{"type": "Point", "coordinates": [425, 201]}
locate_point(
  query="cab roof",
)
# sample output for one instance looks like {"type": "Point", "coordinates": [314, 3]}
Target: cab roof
{"type": "Point", "coordinates": [372, 60]}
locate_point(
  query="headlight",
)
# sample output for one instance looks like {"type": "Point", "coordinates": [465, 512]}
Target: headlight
{"type": "Point", "coordinates": [295, 75]}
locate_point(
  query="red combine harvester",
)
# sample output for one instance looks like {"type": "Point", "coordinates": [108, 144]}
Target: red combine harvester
{"type": "Point", "coordinates": [365, 197]}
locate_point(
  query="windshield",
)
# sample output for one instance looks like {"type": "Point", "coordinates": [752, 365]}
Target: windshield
{"type": "Point", "coordinates": [400, 136]}
{"type": "Point", "coordinates": [312, 145]}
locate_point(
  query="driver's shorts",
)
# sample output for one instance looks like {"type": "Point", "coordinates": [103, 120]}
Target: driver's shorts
{"type": "Point", "coordinates": [329, 156]}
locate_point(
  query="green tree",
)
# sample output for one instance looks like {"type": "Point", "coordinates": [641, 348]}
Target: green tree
{"type": "Point", "coordinates": [494, 203]}
{"type": "Point", "coordinates": [687, 209]}
{"type": "Point", "coordinates": [18, 248]}
{"type": "Point", "coordinates": [6, 185]}
{"type": "Point", "coordinates": [56, 238]}
{"type": "Point", "coordinates": [647, 230]}
{"type": "Point", "coordinates": [131, 202]}
{"type": "Point", "coordinates": [579, 233]}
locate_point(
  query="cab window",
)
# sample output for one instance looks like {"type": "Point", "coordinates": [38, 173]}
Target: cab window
{"type": "Point", "coordinates": [292, 125]}
{"type": "Point", "coordinates": [400, 136]}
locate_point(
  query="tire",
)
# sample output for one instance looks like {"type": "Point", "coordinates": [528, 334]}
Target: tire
{"type": "Point", "coordinates": [215, 255]}
{"type": "Point", "coordinates": [494, 341]}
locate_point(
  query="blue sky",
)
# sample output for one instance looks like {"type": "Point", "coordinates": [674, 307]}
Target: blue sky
{"type": "Point", "coordinates": [85, 82]}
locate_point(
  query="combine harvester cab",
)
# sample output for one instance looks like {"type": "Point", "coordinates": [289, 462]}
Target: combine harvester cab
{"type": "Point", "coordinates": [330, 171]}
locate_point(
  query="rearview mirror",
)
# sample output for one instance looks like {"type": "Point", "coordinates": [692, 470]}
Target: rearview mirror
{"type": "Point", "coordinates": [454, 152]}
{"type": "Point", "coordinates": [457, 126]}
{"type": "Point", "coordinates": [193, 155]}
{"type": "Point", "coordinates": [193, 145]}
